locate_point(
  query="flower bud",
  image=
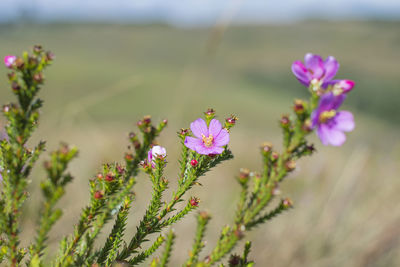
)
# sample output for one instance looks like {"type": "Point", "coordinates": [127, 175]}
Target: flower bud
{"type": "Point", "coordinates": [50, 56]}
{"type": "Point", "coordinates": [147, 120]}
{"type": "Point", "coordinates": [98, 195]}
{"type": "Point", "coordinates": [132, 136]}
{"type": "Point", "coordinates": [184, 132]}
{"type": "Point", "coordinates": [194, 201]}
{"type": "Point", "coordinates": [194, 162]}
{"type": "Point", "coordinates": [6, 108]}
{"type": "Point", "coordinates": [230, 122]}
{"type": "Point", "coordinates": [244, 175]}
{"type": "Point", "coordinates": [274, 156]}
{"type": "Point", "coordinates": [210, 114]}
{"type": "Point", "coordinates": [120, 169]}
{"type": "Point", "coordinates": [32, 61]}
{"type": "Point", "coordinates": [285, 121]}
{"type": "Point", "coordinates": [299, 106]}
{"type": "Point", "coordinates": [100, 176]}
{"type": "Point", "coordinates": [204, 215]}
{"type": "Point", "coordinates": [234, 260]}
{"type": "Point", "coordinates": [128, 157]}
{"type": "Point", "coordinates": [266, 148]}
{"type": "Point", "coordinates": [11, 76]}
{"type": "Point", "coordinates": [287, 203]}
{"type": "Point", "coordinates": [19, 62]}
{"type": "Point", "coordinates": [109, 177]}
{"type": "Point", "coordinates": [290, 165]}
{"type": "Point", "coordinates": [38, 77]}
{"type": "Point", "coordinates": [307, 127]}
{"type": "Point", "coordinates": [37, 49]}
{"type": "Point", "coordinates": [15, 86]}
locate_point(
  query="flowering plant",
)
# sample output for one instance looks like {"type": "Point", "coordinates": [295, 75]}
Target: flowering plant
{"type": "Point", "coordinates": [203, 147]}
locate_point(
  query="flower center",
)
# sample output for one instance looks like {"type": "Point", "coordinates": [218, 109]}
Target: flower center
{"type": "Point", "coordinates": [315, 84]}
{"type": "Point", "coordinates": [337, 89]}
{"type": "Point", "coordinates": [208, 141]}
{"type": "Point", "coordinates": [327, 115]}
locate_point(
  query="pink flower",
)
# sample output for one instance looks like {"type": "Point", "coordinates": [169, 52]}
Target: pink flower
{"type": "Point", "coordinates": [9, 60]}
{"type": "Point", "coordinates": [331, 123]}
{"type": "Point", "coordinates": [207, 140]}
{"type": "Point", "coordinates": [154, 152]}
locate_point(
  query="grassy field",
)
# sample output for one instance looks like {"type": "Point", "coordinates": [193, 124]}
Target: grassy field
{"type": "Point", "coordinates": [106, 77]}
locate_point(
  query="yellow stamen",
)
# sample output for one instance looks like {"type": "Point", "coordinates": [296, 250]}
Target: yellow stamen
{"type": "Point", "coordinates": [326, 115]}
{"type": "Point", "coordinates": [208, 141]}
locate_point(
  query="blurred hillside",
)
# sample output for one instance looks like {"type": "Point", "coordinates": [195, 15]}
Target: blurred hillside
{"type": "Point", "coordinates": [106, 77]}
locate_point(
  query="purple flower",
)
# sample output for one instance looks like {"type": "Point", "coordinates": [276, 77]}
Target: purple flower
{"type": "Point", "coordinates": [207, 140]}
{"type": "Point", "coordinates": [315, 69]}
{"type": "Point", "coordinates": [9, 60]}
{"type": "Point", "coordinates": [331, 123]}
{"type": "Point", "coordinates": [154, 152]}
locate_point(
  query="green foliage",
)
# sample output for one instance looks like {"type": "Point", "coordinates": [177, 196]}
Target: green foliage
{"type": "Point", "coordinates": [168, 249]}
{"type": "Point", "coordinates": [198, 244]}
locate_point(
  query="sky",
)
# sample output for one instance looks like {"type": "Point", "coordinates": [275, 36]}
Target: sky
{"type": "Point", "coordinates": [195, 12]}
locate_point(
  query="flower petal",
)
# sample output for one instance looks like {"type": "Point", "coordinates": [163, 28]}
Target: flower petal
{"type": "Point", "coordinates": [215, 127]}
{"type": "Point", "coordinates": [330, 136]}
{"type": "Point", "coordinates": [329, 101]}
{"type": "Point", "coordinates": [337, 101]}
{"type": "Point", "coordinates": [344, 121]}
{"type": "Point", "coordinates": [222, 138]}
{"type": "Point", "coordinates": [215, 150]}
{"type": "Point", "coordinates": [201, 149]}
{"type": "Point", "coordinates": [331, 67]}
{"type": "Point", "coordinates": [158, 150]}
{"type": "Point", "coordinates": [301, 73]}
{"type": "Point", "coordinates": [9, 60]}
{"type": "Point", "coordinates": [315, 118]}
{"type": "Point", "coordinates": [346, 85]}
{"type": "Point", "coordinates": [199, 127]}
{"type": "Point", "coordinates": [192, 143]}
{"type": "Point", "coordinates": [315, 64]}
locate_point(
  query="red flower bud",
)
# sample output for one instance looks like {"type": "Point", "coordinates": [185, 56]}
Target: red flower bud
{"type": "Point", "coordinates": [147, 119]}
{"type": "Point", "coordinates": [193, 162]}
{"type": "Point", "coordinates": [98, 195]}
{"type": "Point", "coordinates": [210, 112]}
{"type": "Point", "coordinates": [194, 202]}
{"type": "Point", "coordinates": [109, 177]}
{"type": "Point", "coordinates": [298, 106]}
{"type": "Point", "coordinates": [184, 132]}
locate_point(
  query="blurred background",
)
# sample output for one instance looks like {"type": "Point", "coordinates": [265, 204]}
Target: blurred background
{"type": "Point", "coordinates": [119, 60]}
